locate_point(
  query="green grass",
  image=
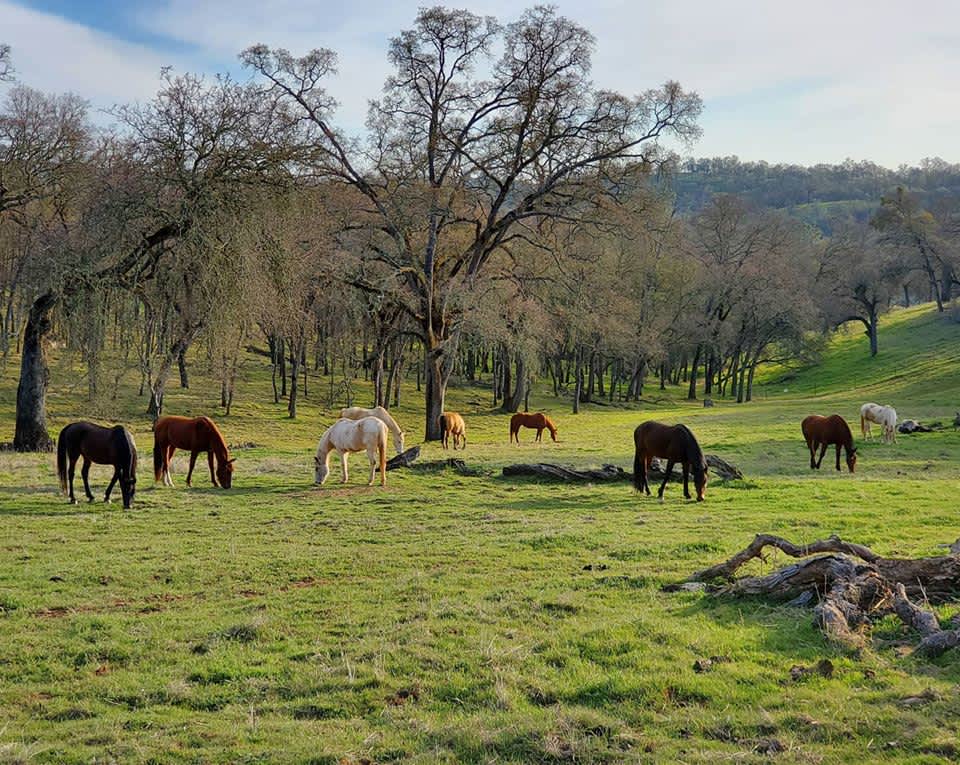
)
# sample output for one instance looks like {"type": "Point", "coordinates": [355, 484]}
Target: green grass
{"type": "Point", "coordinates": [453, 619]}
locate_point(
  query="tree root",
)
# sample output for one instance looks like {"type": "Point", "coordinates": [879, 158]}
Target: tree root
{"type": "Point", "coordinates": [851, 586]}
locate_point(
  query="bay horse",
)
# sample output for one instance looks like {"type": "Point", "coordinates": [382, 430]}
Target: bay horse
{"type": "Point", "coordinates": [358, 413]}
{"type": "Point", "coordinates": [346, 436]}
{"type": "Point", "coordinates": [452, 423]}
{"type": "Point", "coordinates": [674, 443]}
{"type": "Point", "coordinates": [195, 435]}
{"type": "Point", "coordinates": [884, 416]}
{"type": "Point", "coordinates": [538, 421]}
{"type": "Point", "coordinates": [100, 445]}
{"type": "Point", "coordinates": [825, 431]}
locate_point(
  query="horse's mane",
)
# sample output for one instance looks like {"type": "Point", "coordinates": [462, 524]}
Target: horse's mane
{"type": "Point", "coordinates": [548, 422]}
{"type": "Point", "coordinates": [695, 452]}
{"type": "Point", "coordinates": [217, 437]}
{"type": "Point", "coordinates": [123, 443]}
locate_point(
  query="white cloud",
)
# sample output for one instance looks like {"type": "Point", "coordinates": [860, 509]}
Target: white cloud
{"type": "Point", "coordinates": [817, 81]}
{"type": "Point", "coordinates": [56, 55]}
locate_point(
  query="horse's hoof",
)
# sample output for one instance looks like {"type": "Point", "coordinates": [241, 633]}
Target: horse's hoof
{"type": "Point", "coordinates": [73, 501]}
{"type": "Point", "coordinates": [660, 499]}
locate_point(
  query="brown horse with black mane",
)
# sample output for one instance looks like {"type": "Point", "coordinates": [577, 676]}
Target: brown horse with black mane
{"type": "Point", "coordinates": [539, 421]}
{"type": "Point", "coordinates": [826, 431]}
{"type": "Point", "coordinates": [674, 443]}
{"type": "Point", "coordinates": [195, 435]}
{"type": "Point", "coordinates": [100, 445]}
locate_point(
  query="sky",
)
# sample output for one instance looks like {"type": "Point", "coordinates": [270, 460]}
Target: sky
{"type": "Point", "coordinates": [804, 83]}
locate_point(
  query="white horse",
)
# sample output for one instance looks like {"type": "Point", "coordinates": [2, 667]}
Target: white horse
{"type": "Point", "coordinates": [346, 436]}
{"type": "Point", "coordinates": [358, 413]}
{"type": "Point", "coordinates": [884, 416]}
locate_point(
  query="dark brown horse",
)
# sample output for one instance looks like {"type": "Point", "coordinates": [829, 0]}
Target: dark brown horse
{"type": "Point", "coordinates": [194, 435]}
{"type": "Point", "coordinates": [826, 431]}
{"type": "Point", "coordinates": [674, 443]}
{"type": "Point", "coordinates": [538, 421]}
{"type": "Point", "coordinates": [100, 445]}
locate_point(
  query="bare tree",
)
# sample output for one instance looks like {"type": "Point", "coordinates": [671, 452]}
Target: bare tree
{"type": "Point", "coordinates": [457, 166]}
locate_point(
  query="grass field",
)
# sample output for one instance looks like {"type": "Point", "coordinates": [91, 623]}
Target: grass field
{"type": "Point", "coordinates": [473, 619]}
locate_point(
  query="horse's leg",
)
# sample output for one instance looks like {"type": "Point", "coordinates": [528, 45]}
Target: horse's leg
{"type": "Point", "coordinates": [838, 457]}
{"type": "Point", "coordinates": [193, 461]}
{"type": "Point", "coordinates": [372, 457]}
{"type": "Point", "coordinates": [686, 476]}
{"type": "Point", "coordinates": [666, 477]}
{"type": "Point", "coordinates": [539, 434]}
{"type": "Point", "coordinates": [213, 475]}
{"type": "Point", "coordinates": [171, 449]}
{"type": "Point", "coordinates": [85, 472]}
{"type": "Point", "coordinates": [343, 466]}
{"type": "Point", "coordinates": [823, 450]}
{"type": "Point", "coordinates": [116, 475]}
{"type": "Point", "coordinates": [70, 473]}
{"type": "Point", "coordinates": [647, 462]}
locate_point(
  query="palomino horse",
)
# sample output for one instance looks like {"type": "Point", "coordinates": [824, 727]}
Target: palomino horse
{"type": "Point", "coordinates": [674, 443]}
{"type": "Point", "coordinates": [195, 435]}
{"type": "Point", "coordinates": [346, 436]}
{"type": "Point", "coordinates": [824, 431]}
{"type": "Point", "coordinates": [358, 413]}
{"type": "Point", "coordinates": [104, 446]}
{"type": "Point", "coordinates": [452, 423]}
{"type": "Point", "coordinates": [884, 416]}
{"type": "Point", "coordinates": [538, 421]}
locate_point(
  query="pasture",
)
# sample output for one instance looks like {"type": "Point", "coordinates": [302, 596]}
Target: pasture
{"type": "Point", "coordinates": [449, 618]}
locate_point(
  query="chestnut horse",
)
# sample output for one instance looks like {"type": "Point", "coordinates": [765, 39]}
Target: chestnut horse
{"type": "Point", "coordinates": [195, 435]}
{"type": "Point", "coordinates": [825, 431]}
{"type": "Point", "coordinates": [452, 423]}
{"type": "Point", "coordinates": [674, 443]}
{"type": "Point", "coordinates": [100, 445]}
{"type": "Point", "coordinates": [538, 421]}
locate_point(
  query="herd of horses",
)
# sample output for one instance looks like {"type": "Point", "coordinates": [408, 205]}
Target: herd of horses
{"type": "Point", "coordinates": [359, 429]}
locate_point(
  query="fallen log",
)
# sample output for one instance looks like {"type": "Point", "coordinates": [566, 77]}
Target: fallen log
{"type": "Point", "coordinates": [850, 584]}
{"type": "Point", "coordinates": [405, 459]}
{"type": "Point", "coordinates": [719, 468]}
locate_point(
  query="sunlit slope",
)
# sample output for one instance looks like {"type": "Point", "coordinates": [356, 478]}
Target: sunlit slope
{"type": "Point", "coordinates": [918, 362]}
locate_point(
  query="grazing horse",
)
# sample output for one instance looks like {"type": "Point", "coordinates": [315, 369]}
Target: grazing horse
{"type": "Point", "coordinates": [194, 435]}
{"type": "Point", "coordinates": [674, 443]}
{"type": "Point", "coordinates": [104, 446]}
{"type": "Point", "coordinates": [824, 431]}
{"type": "Point", "coordinates": [884, 416]}
{"type": "Point", "coordinates": [452, 423]}
{"type": "Point", "coordinates": [538, 421]}
{"type": "Point", "coordinates": [358, 413]}
{"type": "Point", "coordinates": [346, 436]}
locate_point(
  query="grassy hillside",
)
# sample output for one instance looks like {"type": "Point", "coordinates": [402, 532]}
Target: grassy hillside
{"type": "Point", "coordinates": [472, 619]}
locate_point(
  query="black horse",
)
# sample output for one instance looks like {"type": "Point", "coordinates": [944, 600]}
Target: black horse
{"type": "Point", "coordinates": [675, 443]}
{"type": "Point", "coordinates": [105, 446]}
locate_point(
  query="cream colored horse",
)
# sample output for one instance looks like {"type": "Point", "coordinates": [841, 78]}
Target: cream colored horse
{"type": "Point", "coordinates": [358, 413]}
{"type": "Point", "coordinates": [884, 416]}
{"type": "Point", "coordinates": [346, 436]}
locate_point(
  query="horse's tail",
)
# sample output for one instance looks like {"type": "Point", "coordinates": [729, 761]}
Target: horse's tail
{"type": "Point", "coordinates": [62, 459]}
{"type": "Point", "coordinates": [126, 450]}
{"type": "Point", "coordinates": [638, 465]}
{"type": "Point", "coordinates": [863, 424]}
{"type": "Point", "coordinates": [442, 422]}
{"type": "Point", "coordinates": [158, 454]}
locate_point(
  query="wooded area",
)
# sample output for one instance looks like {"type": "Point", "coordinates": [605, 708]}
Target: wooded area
{"type": "Point", "coordinates": [519, 227]}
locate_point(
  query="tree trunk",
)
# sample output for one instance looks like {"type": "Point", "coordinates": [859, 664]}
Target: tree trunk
{"type": "Point", "coordinates": [578, 383]}
{"type": "Point", "coordinates": [513, 399]}
{"type": "Point", "coordinates": [872, 331]}
{"type": "Point", "coordinates": [31, 419]}
{"type": "Point", "coordinates": [692, 389]}
{"type": "Point", "coordinates": [296, 355]}
{"type": "Point", "coordinates": [182, 366]}
{"type": "Point", "coordinates": [158, 389]}
{"type": "Point", "coordinates": [435, 388]}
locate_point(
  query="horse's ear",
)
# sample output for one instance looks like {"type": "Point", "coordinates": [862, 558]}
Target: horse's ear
{"type": "Point", "coordinates": [230, 462]}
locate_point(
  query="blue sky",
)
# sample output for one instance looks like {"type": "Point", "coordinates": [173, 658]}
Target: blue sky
{"type": "Point", "coordinates": [814, 82]}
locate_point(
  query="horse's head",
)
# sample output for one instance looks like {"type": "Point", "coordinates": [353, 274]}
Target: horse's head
{"type": "Point", "coordinates": [553, 430]}
{"type": "Point", "coordinates": [225, 473]}
{"type": "Point", "coordinates": [700, 480]}
{"type": "Point", "coordinates": [852, 459]}
{"type": "Point", "coordinates": [128, 487]}
{"type": "Point", "coordinates": [320, 471]}
{"type": "Point", "coordinates": [398, 441]}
